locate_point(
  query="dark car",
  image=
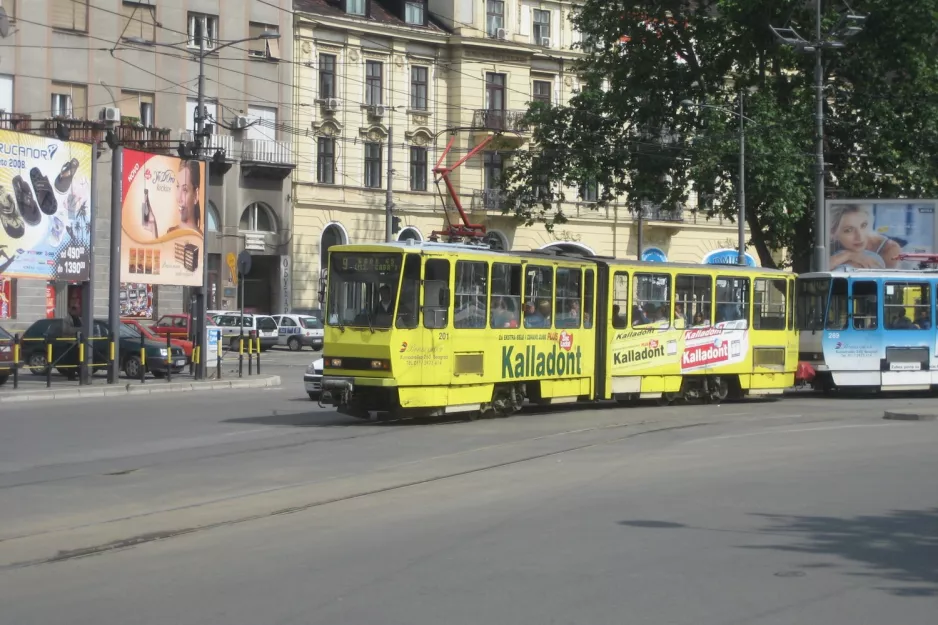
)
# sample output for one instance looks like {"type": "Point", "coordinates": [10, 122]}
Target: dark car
{"type": "Point", "coordinates": [159, 359]}
{"type": "Point", "coordinates": [6, 355]}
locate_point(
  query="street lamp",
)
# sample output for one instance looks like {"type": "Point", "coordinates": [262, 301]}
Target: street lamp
{"type": "Point", "coordinates": [741, 216]}
{"type": "Point", "coordinates": [201, 300]}
{"type": "Point", "coordinates": [849, 26]}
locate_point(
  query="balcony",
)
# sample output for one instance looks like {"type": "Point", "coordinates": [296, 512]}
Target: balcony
{"type": "Point", "coordinates": [652, 213]}
{"type": "Point", "coordinates": [78, 129]}
{"type": "Point", "coordinates": [493, 120]}
{"type": "Point", "coordinates": [266, 158]}
{"type": "Point", "coordinates": [488, 200]}
{"type": "Point", "coordinates": [15, 121]}
{"type": "Point", "coordinates": [146, 139]}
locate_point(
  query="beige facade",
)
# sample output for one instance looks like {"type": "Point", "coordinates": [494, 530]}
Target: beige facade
{"type": "Point", "coordinates": [485, 62]}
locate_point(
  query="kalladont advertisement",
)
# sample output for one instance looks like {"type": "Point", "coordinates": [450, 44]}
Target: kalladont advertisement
{"type": "Point", "coordinates": [163, 219]}
{"type": "Point", "coordinates": [679, 350]}
{"type": "Point", "coordinates": [45, 208]}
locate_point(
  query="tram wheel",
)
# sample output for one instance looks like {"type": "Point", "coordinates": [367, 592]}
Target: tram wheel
{"type": "Point", "coordinates": [719, 389]}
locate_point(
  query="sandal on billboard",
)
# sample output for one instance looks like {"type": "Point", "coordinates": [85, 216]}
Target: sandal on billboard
{"type": "Point", "coordinates": [26, 202]}
{"type": "Point", "coordinates": [64, 180]}
{"type": "Point", "coordinates": [47, 202]}
{"type": "Point", "coordinates": [11, 220]}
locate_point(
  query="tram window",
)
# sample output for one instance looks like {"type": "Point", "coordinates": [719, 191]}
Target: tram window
{"type": "Point", "coordinates": [811, 303]}
{"type": "Point", "coordinates": [865, 313]}
{"type": "Point", "coordinates": [732, 303]}
{"type": "Point", "coordinates": [506, 295]}
{"type": "Point", "coordinates": [567, 303]}
{"type": "Point", "coordinates": [652, 299]}
{"type": "Point", "coordinates": [907, 306]}
{"type": "Point", "coordinates": [471, 294]}
{"type": "Point", "coordinates": [435, 283]}
{"type": "Point", "coordinates": [539, 292]}
{"type": "Point", "coordinates": [620, 299]}
{"type": "Point", "coordinates": [693, 298]}
{"type": "Point", "coordinates": [837, 305]}
{"type": "Point", "coordinates": [410, 288]}
{"type": "Point", "coordinates": [770, 304]}
{"type": "Point", "coordinates": [588, 300]}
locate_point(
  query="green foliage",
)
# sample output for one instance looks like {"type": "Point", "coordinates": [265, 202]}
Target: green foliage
{"type": "Point", "coordinates": [635, 138]}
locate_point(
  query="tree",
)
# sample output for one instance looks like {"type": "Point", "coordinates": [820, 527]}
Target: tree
{"type": "Point", "coordinates": [627, 130]}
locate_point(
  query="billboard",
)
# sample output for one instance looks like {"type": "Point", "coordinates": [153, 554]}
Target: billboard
{"type": "Point", "coordinates": [136, 300]}
{"type": "Point", "coordinates": [869, 234]}
{"type": "Point", "coordinates": [45, 208]}
{"type": "Point", "coordinates": [162, 213]}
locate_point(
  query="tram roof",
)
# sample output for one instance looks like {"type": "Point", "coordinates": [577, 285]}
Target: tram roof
{"type": "Point", "coordinates": [432, 246]}
{"type": "Point", "coordinates": [880, 274]}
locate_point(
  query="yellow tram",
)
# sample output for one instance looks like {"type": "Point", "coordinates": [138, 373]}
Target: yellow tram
{"type": "Point", "coordinates": [432, 328]}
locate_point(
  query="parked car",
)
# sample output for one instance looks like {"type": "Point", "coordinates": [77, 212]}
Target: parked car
{"type": "Point", "coordinates": [183, 343]}
{"type": "Point", "coordinates": [159, 359]}
{"type": "Point", "coordinates": [176, 325]}
{"type": "Point", "coordinates": [312, 379]}
{"type": "Point", "coordinates": [6, 355]}
{"type": "Point", "coordinates": [263, 325]}
{"type": "Point", "coordinates": [298, 331]}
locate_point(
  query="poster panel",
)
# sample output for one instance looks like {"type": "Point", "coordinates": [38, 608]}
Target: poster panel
{"type": "Point", "coordinates": [162, 212]}
{"type": "Point", "coordinates": [870, 234]}
{"type": "Point", "coordinates": [45, 208]}
{"type": "Point", "coordinates": [6, 298]}
{"type": "Point", "coordinates": [136, 300]}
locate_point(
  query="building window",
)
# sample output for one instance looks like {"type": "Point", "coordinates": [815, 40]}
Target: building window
{"type": "Point", "coordinates": [209, 110]}
{"type": "Point", "coordinates": [373, 165]}
{"type": "Point", "coordinates": [263, 123]}
{"type": "Point", "coordinates": [256, 218]}
{"type": "Point", "coordinates": [69, 100]}
{"type": "Point", "coordinates": [6, 94]}
{"type": "Point", "coordinates": [414, 13]}
{"type": "Point", "coordinates": [589, 191]}
{"type": "Point", "coordinates": [373, 83]}
{"type": "Point", "coordinates": [203, 27]}
{"type": "Point", "coordinates": [494, 17]}
{"type": "Point", "coordinates": [418, 88]}
{"type": "Point", "coordinates": [70, 15]}
{"type": "Point", "coordinates": [355, 7]}
{"type": "Point", "coordinates": [418, 169]}
{"type": "Point", "coordinates": [138, 106]}
{"type": "Point", "coordinates": [327, 76]}
{"type": "Point", "coordinates": [325, 165]}
{"type": "Point", "coordinates": [541, 27]}
{"type": "Point", "coordinates": [211, 218]}
{"type": "Point", "coordinates": [263, 48]}
{"type": "Point", "coordinates": [138, 20]}
{"type": "Point", "coordinates": [492, 167]}
{"type": "Point", "coordinates": [541, 91]}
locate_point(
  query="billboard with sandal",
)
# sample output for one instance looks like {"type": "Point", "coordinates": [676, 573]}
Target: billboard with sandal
{"type": "Point", "coordinates": [45, 208]}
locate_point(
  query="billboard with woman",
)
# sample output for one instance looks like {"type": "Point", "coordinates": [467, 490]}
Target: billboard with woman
{"type": "Point", "coordinates": [162, 219]}
{"type": "Point", "coordinates": [871, 234]}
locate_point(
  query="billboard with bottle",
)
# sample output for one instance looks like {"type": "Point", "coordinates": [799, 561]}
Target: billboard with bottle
{"type": "Point", "coordinates": [162, 213]}
{"type": "Point", "coordinates": [45, 208]}
{"type": "Point", "coordinates": [871, 234]}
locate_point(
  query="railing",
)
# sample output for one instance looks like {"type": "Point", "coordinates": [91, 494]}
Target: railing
{"type": "Point", "coordinates": [657, 213]}
{"type": "Point", "coordinates": [499, 120]}
{"type": "Point", "coordinates": [15, 121]}
{"type": "Point", "coordinates": [266, 151]}
{"type": "Point", "coordinates": [488, 199]}
{"type": "Point", "coordinates": [78, 129]}
{"type": "Point", "coordinates": [147, 139]}
{"type": "Point", "coordinates": [214, 143]}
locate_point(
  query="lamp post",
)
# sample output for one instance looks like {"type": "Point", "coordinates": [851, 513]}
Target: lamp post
{"type": "Point", "coordinates": [198, 319]}
{"type": "Point", "coordinates": [741, 187]}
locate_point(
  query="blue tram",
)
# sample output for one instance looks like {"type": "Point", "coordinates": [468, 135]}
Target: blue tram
{"type": "Point", "coordinates": [871, 329]}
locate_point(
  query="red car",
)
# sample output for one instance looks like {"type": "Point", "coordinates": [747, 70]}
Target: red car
{"type": "Point", "coordinates": [6, 355]}
{"type": "Point", "coordinates": [176, 325]}
{"type": "Point", "coordinates": [183, 343]}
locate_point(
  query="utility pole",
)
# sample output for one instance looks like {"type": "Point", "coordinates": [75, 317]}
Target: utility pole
{"type": "Point", "coordinates": [389, 199]}
{"type": "Point", "coordinates": [820, 222]}
{"type": "Point", "coordinates": [641, 235]}
{"type": "Point", "coordinates": [114, 283]}
{"type": "Point", "coordinates": [198, 324]}
{"type": "Point", "coordinates": [741, 218]}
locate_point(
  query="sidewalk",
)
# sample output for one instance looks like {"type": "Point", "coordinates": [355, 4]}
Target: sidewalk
{"type": "Point", "coordinates": [35, 392]}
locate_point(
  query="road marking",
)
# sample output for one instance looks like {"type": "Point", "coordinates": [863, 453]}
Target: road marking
{"type": "Point", "coordinates": [791, 431]}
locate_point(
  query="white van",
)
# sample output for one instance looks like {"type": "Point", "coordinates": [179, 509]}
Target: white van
{"type": "Point", "coordinates": [297, 331]}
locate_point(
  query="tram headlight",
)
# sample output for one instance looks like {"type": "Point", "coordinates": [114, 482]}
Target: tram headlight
{"type": "Point", "coordinates": [380, 365]}
{"type": "Point", "coordinates": [335, 363]}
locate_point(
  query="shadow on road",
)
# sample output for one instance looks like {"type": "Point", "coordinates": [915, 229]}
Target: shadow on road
{"type": "Point", "coordinates": [901, 546]}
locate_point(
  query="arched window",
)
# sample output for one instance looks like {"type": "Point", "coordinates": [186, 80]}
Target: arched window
{"type": "Point", "coordinates": [409, 234]}
{"type": "Point", "coordinates": [496, 240]}
{"type": "Point", "coordinates": [333, 234]}
{"type": "Point", "coordinates": [211, 217]}
{"type": "Point", "coordinates": [257, 218]}
{"type": "Point", "coordinates": [569, 247]}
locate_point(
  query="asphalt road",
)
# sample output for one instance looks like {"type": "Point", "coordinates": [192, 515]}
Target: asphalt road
{"type": "Point", "coordinates": [258, 507]}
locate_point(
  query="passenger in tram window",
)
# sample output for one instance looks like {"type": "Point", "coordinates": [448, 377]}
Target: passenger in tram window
{"type": "Point", "coordinates": [923, 321]}
{"type": "Point", "coordinates": [502, 317]}
{"type": "Point", "coordinates": [638, 316]}
{"type": "Point", "coordinates": [699, 319]}
{"type": "Point", "coordinates": [572, 318]}
{"type": "Point", "coordinates": [617, 320]}
{"type": "Point", "coordinates": [531, 317]}
{"type": "Point", "coordinates": [662, 313]}
{"type": "Point", "coordinates": [901, 322]}
{"type": "Point", "coordinates": [587, 321]}
{"type": "Point", "coordinates": [385, 306]}
{"type": "Point", "coordinates": [543, 309]}
{"type": "Point", "coordinates": [679, 312]}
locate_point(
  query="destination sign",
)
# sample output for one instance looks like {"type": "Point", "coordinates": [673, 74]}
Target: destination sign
{"type": "Point", "coordinates": [380, 263]}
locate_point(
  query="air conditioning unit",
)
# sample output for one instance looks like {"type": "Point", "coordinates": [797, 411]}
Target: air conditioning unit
{"type": "Point", "coordinates": [545, 41]}
{"type": "Point", "coordinates": [331, 104]}
{"type": "Point", "coordinates": [240, 122]}
{"type": "Point", "coordinates": [377, 110]}
{"type": "Point", "coordinates": [501, 33]}
{"type": "Point", "coordinates": [111, 114]}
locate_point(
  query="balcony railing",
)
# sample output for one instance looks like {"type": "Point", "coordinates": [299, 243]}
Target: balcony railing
{"type": "Point", "coordinates": [488, 200]}
{"type": "Point", "coordinates": [214, 143]}
{"type": "Point", "coordinates": [146, 139]}
{"type": "Point", "coordinates": [15, 121]}
{"type": "Point", "coordinates": [78, 129]}
{"type": "Point", "coordinates": [500, 121]}
{"type": "Point", "coordinates": [266, 151]}
{"type": "Point", "coordinates": [658, 213]}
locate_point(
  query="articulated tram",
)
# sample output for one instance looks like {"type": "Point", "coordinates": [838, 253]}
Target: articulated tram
{"type": "Point", "coordinates": [417, 329]}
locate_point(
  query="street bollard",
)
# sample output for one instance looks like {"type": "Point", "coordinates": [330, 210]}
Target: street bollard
{"type": "Point", "coordinates": [241, 357]}
{"type": "Point", "coordinates": [250, 356]}
{"type": "Point", "coordinates": [89, 369]}
{"type": "Point", "coordinates": [48, 363]}
{"type": "Point", "coordinates": [218, 357]}
{"type": "Point", "coordinates": [113, 373]}
{"type": "Point", "coordinates": [143, 360]}
{"type": "Point", "coordinates": [80, 342]}
{"type": "Point", "coordinates": [16, 360]}
{"type": "Point", "coordinates": [169, 358]}
{"type": "Point", "coordinates": [258, 356]}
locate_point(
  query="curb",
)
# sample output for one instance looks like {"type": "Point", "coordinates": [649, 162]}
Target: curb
{"type": "Point", "coordinates": [124, 390]}
{"type": "Point", "coordinates": [909, 416]}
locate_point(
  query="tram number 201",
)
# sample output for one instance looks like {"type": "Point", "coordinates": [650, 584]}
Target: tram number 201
{"type": "Point", "coordinates": [444, 336]}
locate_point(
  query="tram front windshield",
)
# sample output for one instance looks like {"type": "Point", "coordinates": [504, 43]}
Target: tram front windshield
{"type": "Point", "coordinates": [363, 289]}
{"type": "Point", "coordinates": [811, 303]}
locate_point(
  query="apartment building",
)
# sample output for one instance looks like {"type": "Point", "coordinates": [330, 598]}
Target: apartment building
{"type": "Point", "coordinates": [409, 71]}
{"type": "Point", "coordinates": [132, 68]}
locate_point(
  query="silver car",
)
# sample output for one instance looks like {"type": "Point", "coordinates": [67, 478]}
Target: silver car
{"type": "Point", "coordinates": [312, 379]}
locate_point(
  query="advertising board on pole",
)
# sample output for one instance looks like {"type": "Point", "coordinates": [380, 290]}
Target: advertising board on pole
{"type": "Point", "coordinates": [870, 234]}
{"type": "Point", "coordinates": [136, 300]}
{"type": "Point", "coordinates": [162, 212]}
{"type": "Point", "coordinates": [45, 208]}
